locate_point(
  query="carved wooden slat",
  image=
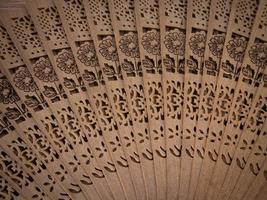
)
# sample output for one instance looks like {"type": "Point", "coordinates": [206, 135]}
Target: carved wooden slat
{"type": "Point", "coordinates": [196, 30]}
{"type": "Point", "coordinates": [253, 72]}
{"type": "Point", "coordinates": [125, 31]}
{"type": "Point", "coordinates": [148, 29]}
{"type": "Point", "coordinates": [238, 32]}
{"type": "Point", "coordinates": [217, 27]}
{"type": "Point", "coordinates": [30, 130]}
{"type": "Point", "coordinates": [172, 33]}
{"type": "Point", "coordinates": [99, 19]}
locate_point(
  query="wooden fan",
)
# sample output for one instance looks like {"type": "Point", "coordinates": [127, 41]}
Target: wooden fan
{"type": "Point", "coordinates": [133, 99]}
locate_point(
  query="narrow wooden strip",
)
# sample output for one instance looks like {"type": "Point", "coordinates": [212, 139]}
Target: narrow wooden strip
{"type": "Point", "coordinates": [196, 31]}
{"type": "Point", "coordinates": [148, 29]}
{"type": "Point", "coordinates": [172, 33]}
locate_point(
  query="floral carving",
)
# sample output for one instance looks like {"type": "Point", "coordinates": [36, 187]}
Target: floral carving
{"type": "Point", "coordinates": [87, 54]}
{"type": "Point", "coordinates": [236, 48]}
{"type": "Point", "coordinates": [7, 93]}
{"type": "Point", "coordinates": [44, 71]}
{"type": "Point", "coordinates": [128, 44]}
{"type": "Point", "coordinates": [24, 81]}
{"type": "Point", "coordinates": [65, 61]}
{"type": "Point", "coordinates": [216, 44]}
{"type": "Point", "coordinates": [151, 42]}
{"type": "Point", "coordinates": [107, 49]}
{"type": "Point", "coordinates": [175, 42]}
{"type": "Point", "coordinates": [258, 56]}
{"type": "Point", "coordinates": [197, 44]}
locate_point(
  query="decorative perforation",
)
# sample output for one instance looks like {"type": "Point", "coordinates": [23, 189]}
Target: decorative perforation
{"type": "Point", "coordinates": [245, 14]}
{"type": "Point", "coordinates": [252, 133]}
{"type": "Point", "coordinates": [6, 191]}
{"type": "Point", "coordinates": [124, 13]}
{"type": "Point", "coordinates": [263, 22]}
{"type": "Point", "coordinates": [25, 33]}
{"type": "Point", "coordinates": [252, 128]}
{"type": "Point", "coordinates": [11, 169]}
{"type": "Point", "coordinates": [239, 114]}
{"type": "Point", "coordinates": [138, 102]}
{"type": "Point", "coordinates": [19, 177]}
{"type": "Point", "coordinates": [175, 11]}
{"type": "Point", "coordinates": [100, 14]}
{"type": "Point", "coordinates": [75, 15]}
{"type": "Point", "coordinates": [36, 168]}
{"type": "Point", "coordinates": [50, 22]}
{"type": "Point", "coordinates": [8, 51]}
{"type": "Point", "coordinates": [105, 112]}
{"type": "Point", "coordinates": [149, 11]}
{"type": "Point", "coordinates": [200, 12]}
{"type": "Point", "coordinates": [222, 13]}
{"type": "Point", "coordinates": [255, 167]}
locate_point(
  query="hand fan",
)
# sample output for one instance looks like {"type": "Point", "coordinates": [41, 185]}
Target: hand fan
{"type": "Point", "coordinates": [133, 99]}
